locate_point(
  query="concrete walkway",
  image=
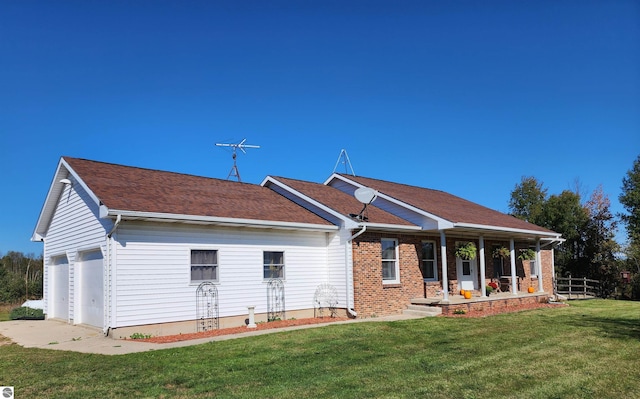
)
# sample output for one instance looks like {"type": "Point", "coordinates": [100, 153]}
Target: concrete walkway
{"type": "Point", "coordinates": [58, 335]}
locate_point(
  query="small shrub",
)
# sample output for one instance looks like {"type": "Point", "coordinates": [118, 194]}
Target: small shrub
{"type": "Point", "coordinates": [25, 313]}
{"type": "Point", "coordinates": [140, 336]}
{"type": "Point", "coordinates": [459, 311]}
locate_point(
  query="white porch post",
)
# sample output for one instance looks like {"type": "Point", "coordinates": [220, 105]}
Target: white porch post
{"type": "Point", "coordinates": [443, 256]}
{"type": "Point", "coordinates": [483, 291]}
{"type": "Point", "coordinates": [539, 266]}
{"type": "Point", "coordinates": [514, 286]}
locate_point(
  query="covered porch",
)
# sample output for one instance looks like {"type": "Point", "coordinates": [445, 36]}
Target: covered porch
{"type": "Point", "coordinates": [509, 272]}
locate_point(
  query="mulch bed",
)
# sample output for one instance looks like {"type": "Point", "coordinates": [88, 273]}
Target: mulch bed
{"type": "Point", "coordinates": [242, 329]}
{"type": "Point", "coordinates": [320, 320]}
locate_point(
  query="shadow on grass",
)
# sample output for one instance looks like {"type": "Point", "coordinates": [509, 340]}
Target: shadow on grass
{"type": "Point", "coordinates": [613, 327]}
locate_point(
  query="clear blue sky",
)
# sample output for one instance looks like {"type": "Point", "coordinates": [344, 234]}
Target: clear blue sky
{"type": "Point", "coordinates": [461, 96]}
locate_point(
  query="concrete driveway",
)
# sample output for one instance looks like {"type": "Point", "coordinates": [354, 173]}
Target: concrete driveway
{"type": "Point", "coordinates": [52, 334]}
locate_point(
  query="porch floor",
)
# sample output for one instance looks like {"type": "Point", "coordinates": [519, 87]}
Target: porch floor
{"type": "Point", "coordinates": [496, 301]}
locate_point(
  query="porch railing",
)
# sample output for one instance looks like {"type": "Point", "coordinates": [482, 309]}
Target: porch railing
{"type": "Point", "coordinates": [576, 287]}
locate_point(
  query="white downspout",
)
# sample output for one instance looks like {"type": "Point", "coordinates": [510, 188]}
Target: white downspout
{"type": "Point", "coordinates": [106, 278]}
{"type": "Point", "coordinates": [349, 250]}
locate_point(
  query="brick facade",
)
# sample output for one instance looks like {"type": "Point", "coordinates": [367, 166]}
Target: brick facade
{"type": "Point", "coordinates": [373, 298]}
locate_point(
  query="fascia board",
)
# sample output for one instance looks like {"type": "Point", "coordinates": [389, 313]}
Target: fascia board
{"type": "Point", "coordinates": [382, 226]}
{"type": "Point", "coordinates": [335, 176]}
{"type": "Point", "coordinates": [81, 182]}
{"type": "Point", "coordinates": [348, 223]}
{"type": "Point", "coordinates": [54, 192]}
{"type": "Point", "coordinates": [442, 223]}
{"type": "Point", "coordinates": [554, 235]}
{"type": "Point", "coordinates": [174, 217]}
{"type": "Point", "coordinates": [63, 171]}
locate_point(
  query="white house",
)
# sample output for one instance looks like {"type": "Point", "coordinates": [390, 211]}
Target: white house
{"type": "Point", "coordinates": [126, 249]}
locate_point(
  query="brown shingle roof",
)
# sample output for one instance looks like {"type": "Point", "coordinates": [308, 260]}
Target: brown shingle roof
{"type": "Point", "coordinates": [129, 188]}
{"type": "Point", "coordinates": [446, 206]}
{"type": "Point", "coordinates": [341, 202]}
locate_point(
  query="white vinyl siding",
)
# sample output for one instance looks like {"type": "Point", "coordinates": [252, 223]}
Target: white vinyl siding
{"type": "Point", "coordinates": [154, 286]}
{"type": "Point", "coordinates": [75, 226]}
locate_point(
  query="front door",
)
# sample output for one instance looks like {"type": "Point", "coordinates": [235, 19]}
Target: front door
{"type": "Point", "coordinates": [467, 274]}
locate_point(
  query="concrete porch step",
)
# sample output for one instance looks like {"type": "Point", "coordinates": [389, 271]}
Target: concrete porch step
{"type": "Point", "coordinates": [422, 311]}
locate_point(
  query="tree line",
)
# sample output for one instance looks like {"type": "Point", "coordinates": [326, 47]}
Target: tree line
{"type": "Point", "coordinates": [20, 277]}
{"type": "Point", "coordinates": [588, 228]}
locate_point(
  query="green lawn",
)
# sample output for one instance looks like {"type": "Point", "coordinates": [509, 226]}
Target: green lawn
{"type": "Point", "coordinates": [5, 311]}
{"type": "Point", "coordinates": [590, 349]}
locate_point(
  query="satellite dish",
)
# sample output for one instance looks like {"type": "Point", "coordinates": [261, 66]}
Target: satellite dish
{"type": "Point", "coordinates": [365, 195]}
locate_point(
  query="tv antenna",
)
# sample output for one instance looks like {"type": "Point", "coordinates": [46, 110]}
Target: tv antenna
{"type": "Point", "coordinates": [343, 158]}
{"type": "Point", "coordinates": [241, 146]}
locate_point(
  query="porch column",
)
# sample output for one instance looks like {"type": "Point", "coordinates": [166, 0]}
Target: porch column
{"type": "Point", "coordinates": [539, 266]}
{"type": "Point", "coordinates": [443, 256]}
{"type": "Point", "coordinates": [514, 283]}
{"type": "Point", "coordinates": [483, 291]}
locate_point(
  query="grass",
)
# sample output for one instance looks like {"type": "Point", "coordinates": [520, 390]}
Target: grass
{"type": "Point", "coordinates": [5, 311]}
{"type": "Point", "coordinates": [587, 350]}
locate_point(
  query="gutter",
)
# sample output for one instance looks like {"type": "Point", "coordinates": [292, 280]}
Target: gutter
{"type": "Point", "coordinates": [349, 249]}
{"type": "Point", "coordinates": [223, 221]}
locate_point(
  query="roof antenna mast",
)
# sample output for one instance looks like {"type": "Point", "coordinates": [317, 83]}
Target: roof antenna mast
{"type": "Point", "coordinates": [343, 158]}
{"type": "Point", "coordinates": [241, 145]}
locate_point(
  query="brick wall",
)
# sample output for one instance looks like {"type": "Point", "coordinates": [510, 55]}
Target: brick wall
{"type": "Point", "coordinates": [373, 298]}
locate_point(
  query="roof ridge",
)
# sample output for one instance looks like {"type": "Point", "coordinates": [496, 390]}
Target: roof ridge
{"type": "Point", "coordinates": [119, 165]}
{"type": "Point", "coordinates": [399, 184]}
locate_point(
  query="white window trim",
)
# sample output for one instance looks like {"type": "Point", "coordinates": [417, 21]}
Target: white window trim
{"type": "Point", "coordinates": [284, 265]}
{"type": "Point", "coordinates": [217, 266]}
{"type": "Point", "coordinates": [396, 261]}
{"type": "Point", "coordinates": [435, 260]}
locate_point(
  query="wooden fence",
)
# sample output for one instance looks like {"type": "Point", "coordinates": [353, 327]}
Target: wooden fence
{"type": "Point", "coordinates": [577, 287]}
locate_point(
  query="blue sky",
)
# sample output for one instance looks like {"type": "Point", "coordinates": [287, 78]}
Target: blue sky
{"type": "Point", "coordinates": [461, 96]}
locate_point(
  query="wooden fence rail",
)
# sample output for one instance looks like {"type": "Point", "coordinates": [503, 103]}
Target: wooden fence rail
{"type": "Point", "coordinates": [577, 287]}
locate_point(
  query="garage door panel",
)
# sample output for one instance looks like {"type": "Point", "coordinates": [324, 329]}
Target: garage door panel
{"type": "Point", "coordinates": [60, 289]}
{"type": "Point", "coordinates": [91, 301]}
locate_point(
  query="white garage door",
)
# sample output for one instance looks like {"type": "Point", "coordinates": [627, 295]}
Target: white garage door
{"type": "Point", "coordinates": [59, 273]}
{"type": "Point", "coordinates": [91, 300]}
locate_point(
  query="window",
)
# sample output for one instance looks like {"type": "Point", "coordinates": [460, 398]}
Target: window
{"type": "Point", "coordinates": [273, 265]}
{"type": "Point", "coordinates": [429, 265]}
{"type": "Point", "coordinates": [390, 273]}
{"type": "Point", "coordinates": [204, 265]}
{"type": "Point", "coordinates": [533, 268]}
{"type": "Point", "coordinates": [498, 264]}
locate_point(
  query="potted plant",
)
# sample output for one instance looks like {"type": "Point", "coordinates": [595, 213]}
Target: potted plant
{"type": "Point", "coordinates": [527, 254]}
{"type": "Point", "coordinates": [501, 252]}
{"type": "Point", "coordinates": [466, 250]}
{"type": "Point", "coordinates": [488, 289]}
